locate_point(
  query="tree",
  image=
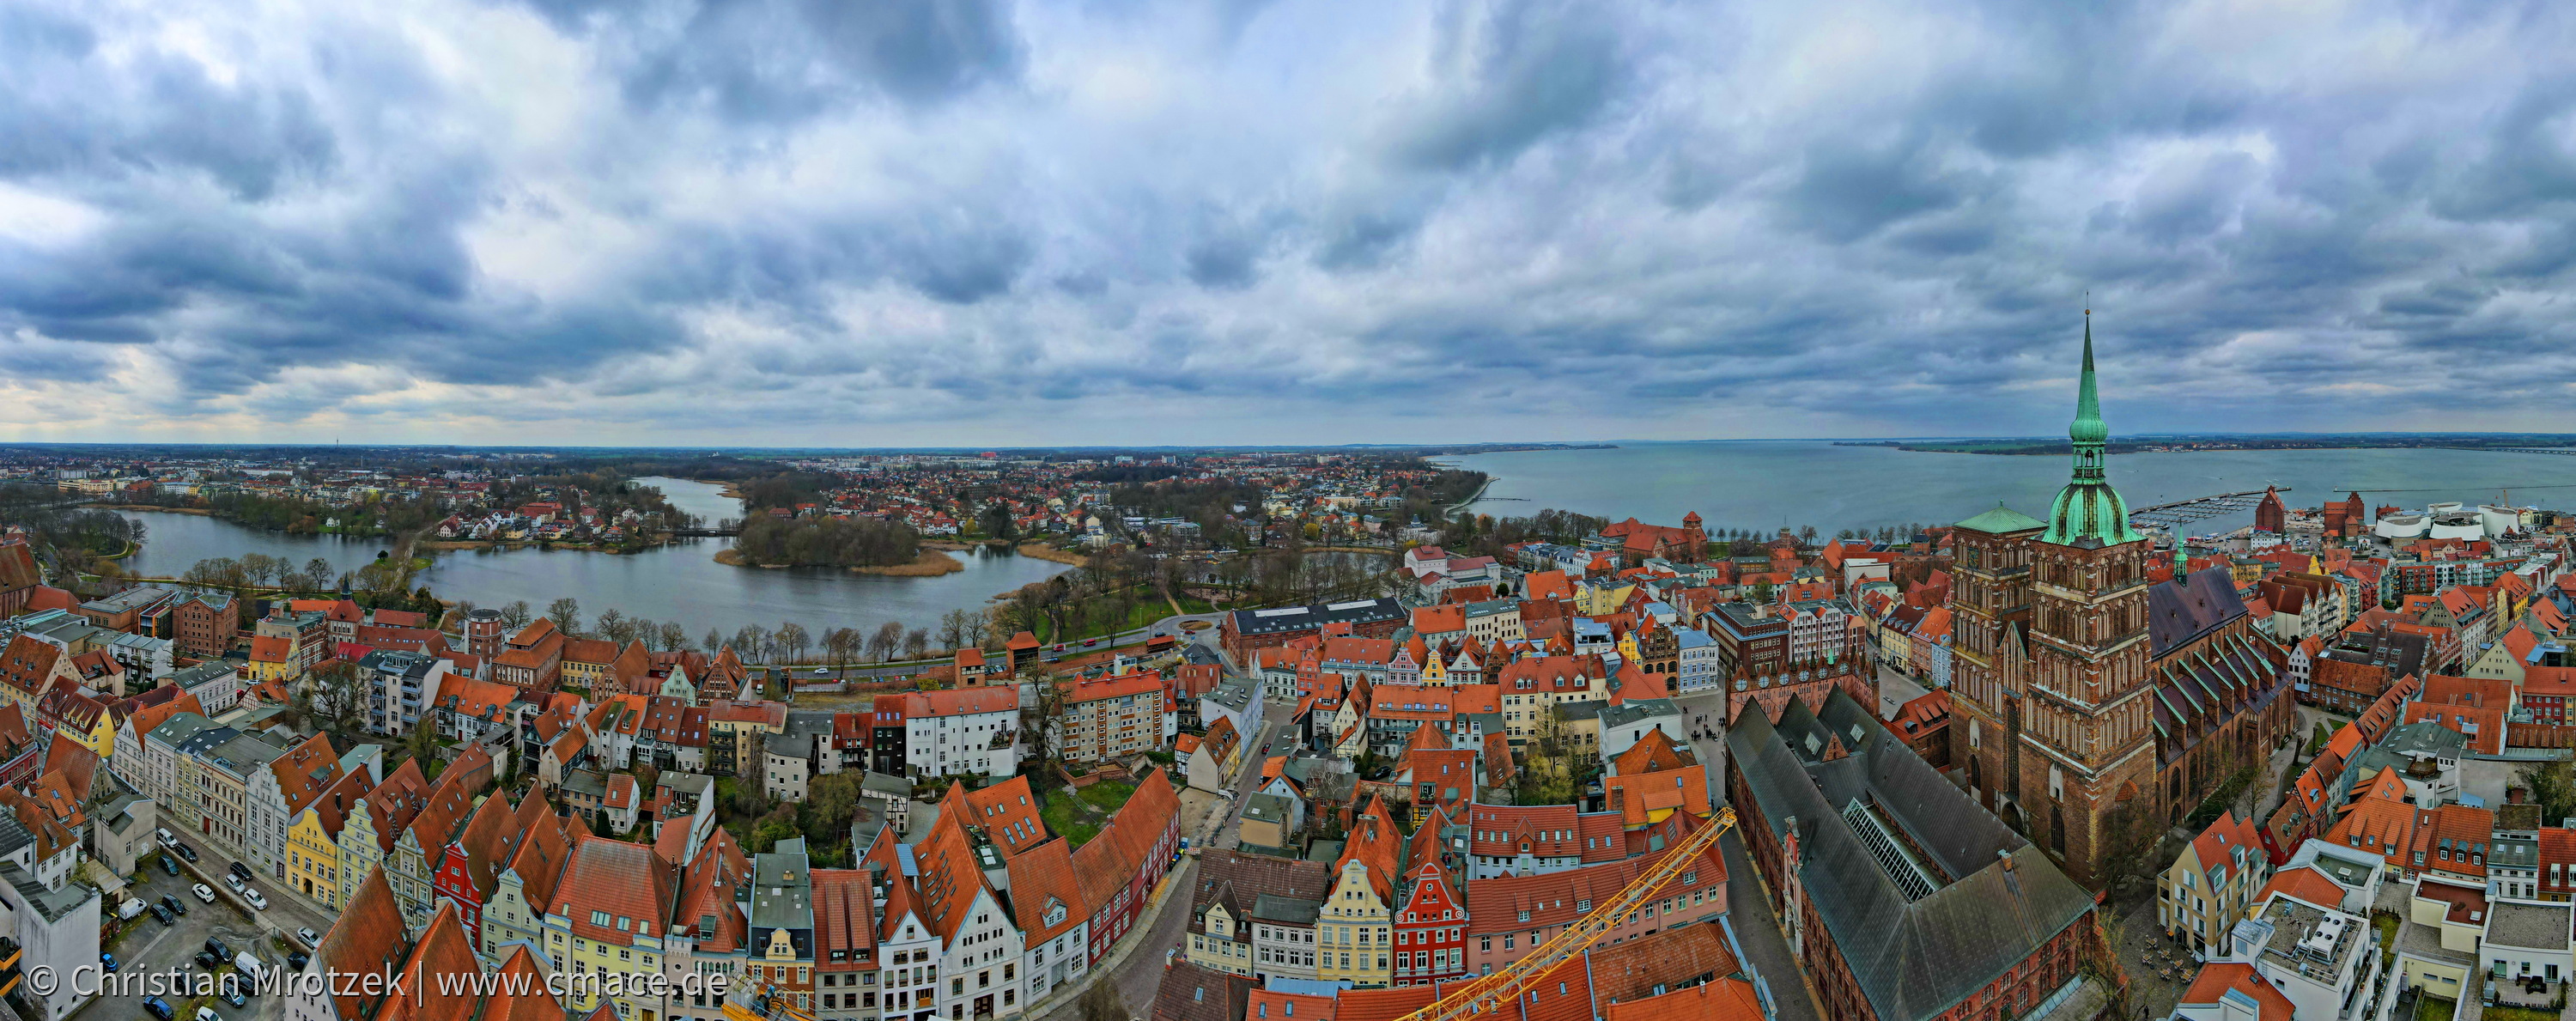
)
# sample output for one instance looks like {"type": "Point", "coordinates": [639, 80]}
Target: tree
{"type": "Point", "coordinates": [612, 625]}
{"type": "Point", "coordinates": [1038, 722]}
{"type": "Point", "coordinates": [916, 643]}
{"type": "Point", "coordinates": [516, 615]}
{"type": "Point", "coordinates": [566, 613]}
{"type": "Point", "coordinates": [793, 639]}
{"type": "Point", "coordinates": [952, 629]}
{"type": "Point", "coordinates": [843, 645]}
{"type": "Point", "coordinates": [422, 741]}
{"type": "Point", "coordinates": [318, 573]}
{"type": "Point", "coordinates": [674, 637]}
{"type": "Point", "coordinates": [750, 640]}
{"type": "Point", "coordinates": [713, 642]}
{"type": "Point", "coordinates": [2553, 788]}
{"type": "Point", "coordinates": [1100, 1002]}
{"type": "Point", "coordinates": [832, 799]}
{"type": "Point", "coordinates": [330, 697]}
{"type": "Point", "coordinates": [882, 643]}
{"type": "Point", "coordinates": [2132, 838]}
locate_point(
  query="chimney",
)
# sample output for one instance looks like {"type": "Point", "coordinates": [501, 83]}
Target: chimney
{"type": "Point", "coordinates": [2007, 859]}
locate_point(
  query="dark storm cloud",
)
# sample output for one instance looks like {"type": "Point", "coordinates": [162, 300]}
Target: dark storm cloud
{"type": "Point", "coordinates": [1278, 221]}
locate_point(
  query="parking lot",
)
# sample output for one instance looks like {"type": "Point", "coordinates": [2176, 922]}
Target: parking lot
{"type": "Point", "coordinates": [145, 945]}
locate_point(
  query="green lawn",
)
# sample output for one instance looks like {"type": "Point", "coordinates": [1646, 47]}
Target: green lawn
{"type": "Point", "coordinates": [2435, 1008]}
{"type": "Point", "coordinates": [2503, 1013]}
{"type": "Point", "coordinates": [1107, 795]}
{"type": "Point", "coordinates": [1148, 609]}
{"type": "Point", "coordinates": [1066, 816]}
{"type": "Point", "coordinates": [1077, 816]}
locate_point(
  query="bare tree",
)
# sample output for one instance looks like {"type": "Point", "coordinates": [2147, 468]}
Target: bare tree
{"type": "Point", "coordinates": [793, 639]}
{"type": "Point", "coordinates": [750, 641]}
{"type": "Point", "coordinates": [952, 628]}
{"type": "Point", "coordinates": [674, 637]}
{"type": "Point", "coordinates": [612, 625]}
{"type": "Point", "coordinates": [516, 615]}
{"type": "Point", "coordinates": [713, 642]}
{"type": "Point", "coordinates": [843, 645]}
{"type": "Point", "coordinates": [882, 644]}
{"type": "Point", "coordinates": [566, 613]}
{"type": "Point", "coordinates": [916, 643]}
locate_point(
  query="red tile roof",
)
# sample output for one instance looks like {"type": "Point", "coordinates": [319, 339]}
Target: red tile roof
{"type": "Point", "coordinates": [618, 880]}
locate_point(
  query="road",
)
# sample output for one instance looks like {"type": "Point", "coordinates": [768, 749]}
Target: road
{"type": "Point", "coordinates": [1756, 920]}
{"type": "Point", "coordinates": [1141, 973]}
{"type": "Point", "coordinates": [1137, 977]}
{"type": "Point", "coordinates": [810, 673]}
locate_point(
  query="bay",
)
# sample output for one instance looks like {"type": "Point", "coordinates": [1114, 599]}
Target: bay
{"type": "Point", "coordinates": [680, 582]}
{"type": "Point", "coordinates": [1767, 484]}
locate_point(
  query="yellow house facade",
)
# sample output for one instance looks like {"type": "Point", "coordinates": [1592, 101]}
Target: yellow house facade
{"type": "Point", "coordinates": [1352, 932]}
{"type": "Point", "coordinates": [313, 860]}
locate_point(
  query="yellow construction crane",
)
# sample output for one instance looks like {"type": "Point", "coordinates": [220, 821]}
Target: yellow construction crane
{"type": "Point", "coordinates": [1490, 992]}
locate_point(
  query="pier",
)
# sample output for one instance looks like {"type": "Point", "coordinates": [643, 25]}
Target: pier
{"type": "Point", "coordinates": [2172, 516]}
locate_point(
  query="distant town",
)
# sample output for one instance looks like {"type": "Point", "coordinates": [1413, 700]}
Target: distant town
{"type": "Point", "coordinates": [1282, 734]}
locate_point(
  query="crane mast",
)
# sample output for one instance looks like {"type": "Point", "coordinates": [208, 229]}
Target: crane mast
{"type": "Point", "coordinates": [1490, 992]}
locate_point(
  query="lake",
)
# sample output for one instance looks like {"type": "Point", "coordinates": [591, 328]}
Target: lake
{"type": "Point", "coordinates": [679, 582]}
{"type": "Point", "coordinates": [1767, 484]}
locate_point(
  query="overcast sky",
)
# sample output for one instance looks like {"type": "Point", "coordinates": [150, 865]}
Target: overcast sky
{"type": "Point", "coordinates": [988, 223]}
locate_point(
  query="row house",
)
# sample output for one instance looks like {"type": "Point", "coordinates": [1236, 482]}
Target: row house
{"type": "Point", "coordinates": [419, 847]}
{"type": "Point", "coordinates": [277, 795]}
{"type": "Point", "coordinates": [1527, 688]}
{"type": "Point", "coordinates": [313, 864]}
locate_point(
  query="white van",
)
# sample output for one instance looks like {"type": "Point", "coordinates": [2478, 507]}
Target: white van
{"type": "Point", "coordinates": [250, 966]}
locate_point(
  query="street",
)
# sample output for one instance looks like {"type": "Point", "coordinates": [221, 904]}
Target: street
{"type": "Point", "coordinates": [1756, 920]}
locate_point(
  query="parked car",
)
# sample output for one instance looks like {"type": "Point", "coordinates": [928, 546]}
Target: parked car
{"type": "Point", "coordinates": [230, 991]}
{"type": "Point", "coordinates": [107, 961]}
{"type": "Point", "coordinates": [203, 892]}
{"type": "Point", "coordinates": [233, 881]}
{"type": "Point", "coordinates": [310, 940]}
{"type": "Point", "coordinates": [169, 866]}
{"type": "Point", "coordinates": [163, 835]}
{"type": "Point", "coordinates": [159, 1007]}
{"type": "Point", "coordinates": [176, 906]}
{"type": "Point", "coordinates": [208, 961]}
{"type": "Point", "coordinates": [164, 915]}
{"type": "Point", "coordinates": [255, 898]}
{"type": "Point", "coordinates": [243, 871]}
{"type": "Point", "coordinates": [297, 960]}
{"type": "Point", "coordinates": [208, 1014]}
{"type": "Point", "coordinates": [187, 852]}
{"type": "Point", "coordinates": [216, 947]}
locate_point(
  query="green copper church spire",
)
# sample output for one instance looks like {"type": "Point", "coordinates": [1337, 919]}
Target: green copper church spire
{"type": "Point", "coordinates": [2088, 512]}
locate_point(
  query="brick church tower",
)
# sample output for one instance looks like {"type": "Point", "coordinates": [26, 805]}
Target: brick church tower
{"type": "Point", "coordinates": [2053, 674]}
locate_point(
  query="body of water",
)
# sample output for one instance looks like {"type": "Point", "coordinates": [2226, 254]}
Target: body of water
{"type": "Point", "coordinates": [680, 582]}
{"type": "Point", "coordinates": [1767, 484]}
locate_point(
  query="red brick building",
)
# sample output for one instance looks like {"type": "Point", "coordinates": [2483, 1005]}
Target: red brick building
{"type": "Point", "coordinates": [1895, 861]}
{"type": "Point", "coordinates": [204, 624]}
